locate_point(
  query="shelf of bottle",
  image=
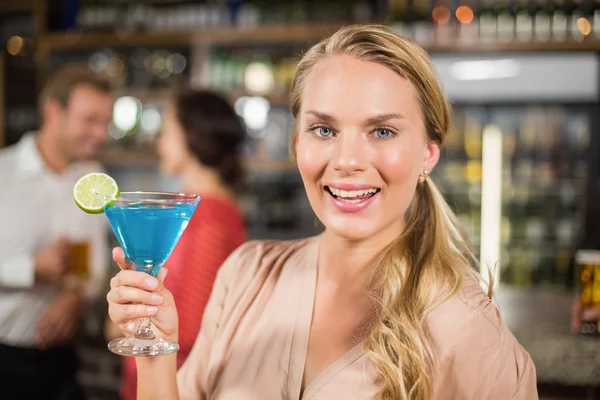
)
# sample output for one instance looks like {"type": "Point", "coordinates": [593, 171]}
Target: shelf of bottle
{"type": "Point", "coordinates": [270, 33]}
{"type": "Point", "coordinates": [281, 34]}
{"type": "Point", "coordinates": [588, 44]}
{"type": "Point", "coordinates": [147, 158]}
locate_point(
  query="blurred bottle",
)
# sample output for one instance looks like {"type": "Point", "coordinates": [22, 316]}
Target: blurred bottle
{"type": "Point", "coordinates": [505, 21]}
{"type": "Point", "coordinates": [587, 270]}
{"type": "Point", "coordinates": [524, 14]}
{"type": "Point", "coordinates": [444, 22]}
{"type": "Point", "coordinates": [422, 22]}
{"type": "Point", "coordinates": [487, 23]}
{"type": "Point", "coordinates": [467, 24]}
{"type": "Point", "coordinates": [582, 19]}
{"type": "Point", "coordinates": [397, 19]}
{"type": "Point", "coordinates": [595, 18]}
{"type": "Point", "coordinates": [560, 27]}
{"type": "Point", "coordinates": [542, 24]}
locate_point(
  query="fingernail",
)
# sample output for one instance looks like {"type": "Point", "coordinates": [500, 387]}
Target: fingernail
{"type": "Point", "coordinates": [156, 299]}
{"type": "Point", "coordinates": [151, 283]}
{"type": "Point", "coordinates": [151, 310]}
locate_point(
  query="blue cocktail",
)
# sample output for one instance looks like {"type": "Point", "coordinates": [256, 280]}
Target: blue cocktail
{"type": "Point", "coordinates": [148, 225]}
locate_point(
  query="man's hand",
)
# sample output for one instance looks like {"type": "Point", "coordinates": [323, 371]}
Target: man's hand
{"type": "Point", "coordinates": [580, 315]}
{"type": "Point", "coordinates": [60, 321]}
{"type": "Point", "coordinates": [52, 261]}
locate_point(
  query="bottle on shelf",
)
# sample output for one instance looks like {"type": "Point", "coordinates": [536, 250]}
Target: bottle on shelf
{"type": "Point", "coordinates": [595, 17]}
{"type": "Point", "coordinates": [487, 23]}
{"type": "Point", "coordinates": [560, 26]}
{"type": "Point", "coordinates": [542, 22]}
{"type": "Point", "coordinates": [444, 22]}
{"type": "Point", "coordinates": [468, 25]}
{"type": "Point", "coordinates": [524, 14]}
{"type": "Point", "coordinates": [581, 20]}
{"type": "Point", "coordinates": [397, 19]}
{"type": "Point", "coordinates": [422, 22]}
{"type": "Point", "coordinates": [505, 21]}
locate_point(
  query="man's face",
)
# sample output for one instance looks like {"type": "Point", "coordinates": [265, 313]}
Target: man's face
{"type": "Point", "coordinates": [82, 124]}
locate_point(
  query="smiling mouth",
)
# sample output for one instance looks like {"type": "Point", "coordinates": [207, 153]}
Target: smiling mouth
{"type": "Point", "coordinates": [352, 196]}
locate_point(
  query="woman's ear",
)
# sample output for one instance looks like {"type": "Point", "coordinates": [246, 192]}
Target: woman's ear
{"type": "Point", "coordinates": [432, 156]}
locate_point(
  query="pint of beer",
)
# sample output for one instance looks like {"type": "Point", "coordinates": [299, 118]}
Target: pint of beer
{"type": "Point", "coordinates": [587, 271]}
{"type": "Point", "coordinates": [80, 260]}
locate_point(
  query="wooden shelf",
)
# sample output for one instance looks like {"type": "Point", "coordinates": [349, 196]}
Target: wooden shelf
{"type": "Point", "coordinates": [18, 6]}
{"type": "Point", "coordinates": [518, 46]}
{"type": "Point", "coordinates": [147, 158]}
{"type": "Point", "coordinates": [276, 34]}
{"type": "Point", "coordinates": [270, 33]}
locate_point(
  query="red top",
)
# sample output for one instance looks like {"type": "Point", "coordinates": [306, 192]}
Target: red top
{"type": "Point", "coordinates": [215, 230]}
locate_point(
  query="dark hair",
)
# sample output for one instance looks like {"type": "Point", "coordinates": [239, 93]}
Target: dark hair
{"type": "Point", "coordinates": [62, 83]}
{"type": "Point", "coordinates": [213, 132]}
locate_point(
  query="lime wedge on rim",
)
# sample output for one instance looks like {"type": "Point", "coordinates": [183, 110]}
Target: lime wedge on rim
{"type": "Point", "coordinates": [88, 191]}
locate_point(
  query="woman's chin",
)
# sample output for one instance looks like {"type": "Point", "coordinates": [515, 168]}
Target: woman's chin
{"type": "Point", "coordinates": [350, 230]}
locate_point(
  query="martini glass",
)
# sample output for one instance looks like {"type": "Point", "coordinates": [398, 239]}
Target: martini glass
{"type": "Point", "coordinates": [148, 225]}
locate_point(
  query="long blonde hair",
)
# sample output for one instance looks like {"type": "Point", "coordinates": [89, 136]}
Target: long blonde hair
{"type": "Point", "coordinates": [430, 259]}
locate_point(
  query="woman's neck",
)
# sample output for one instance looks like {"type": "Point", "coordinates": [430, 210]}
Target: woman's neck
{"type": "Point", "coordinates": [351, 262]}
{"type": "Point", "coordinates": [205, 181]}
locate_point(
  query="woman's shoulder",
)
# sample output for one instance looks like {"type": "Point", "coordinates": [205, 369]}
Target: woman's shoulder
{"type": "Point", "coordinates": [255, 257]}
{"type": "Point", "coordinates": [473, 344]}
{"type": "Point", "coordinates": [469, 321]}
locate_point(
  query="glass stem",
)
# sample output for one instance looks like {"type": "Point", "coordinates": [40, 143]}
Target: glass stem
{"type": "Point", "coordinates": [144, 330]}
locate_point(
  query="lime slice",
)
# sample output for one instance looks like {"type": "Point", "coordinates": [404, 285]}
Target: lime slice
{"type": "Point", "coordinates": [91, 188]}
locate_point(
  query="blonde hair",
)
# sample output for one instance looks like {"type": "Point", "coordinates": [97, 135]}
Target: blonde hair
{"type": "Point", "coordinates": [430, 259]}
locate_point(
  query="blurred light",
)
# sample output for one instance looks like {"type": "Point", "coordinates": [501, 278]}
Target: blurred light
{"type": "Point", "coordinates": [150, 121]}
{"type": "Point", "coordinates": [255, 111]}
{"type": "Point", "coordinates": [238, 106]}
{"type": "Point", "coordinates": [98, 61]}
{"type": "Point", "coordinates": [464, 14]}
{"type": "Point", "coordinates": [114, 67]}
{"type": "Point", "coordinates": [484, 69]}
{"type": "Point", "coordinates": [125, 113]}
{"type": "Point", "coordinates": [176, 63]}
{"type": "Point", "coordinates": [14, 45]}
{"type": "Point", "coordinates": [157, 64]}
{"type": "Point", "coordinates": [115, 132]}
{"type": "Point", "coordinates": [258, 78]}
{"type": "Point", "coordinates": [441, 14]}
{"type": "Point", "coordinates": [491, 203]}
{"type": "Point", "coordinates": [584, 26]}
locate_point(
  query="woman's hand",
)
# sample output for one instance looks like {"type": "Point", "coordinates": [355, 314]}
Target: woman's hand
{"type": "Point", "coordinates": [134, 295]}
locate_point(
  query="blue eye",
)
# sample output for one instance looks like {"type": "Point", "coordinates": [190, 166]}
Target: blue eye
{"type": "Point", "coordinates": [323, 131]}
{"type": "Point", "coordinates": [383, 133]}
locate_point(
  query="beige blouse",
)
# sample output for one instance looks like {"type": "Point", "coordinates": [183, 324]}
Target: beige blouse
{"type": "Point", "coordinates": [254, 336]}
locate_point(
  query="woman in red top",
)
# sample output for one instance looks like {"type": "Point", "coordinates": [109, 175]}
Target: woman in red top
{"type": "Point", "coordinates": [199, 144]}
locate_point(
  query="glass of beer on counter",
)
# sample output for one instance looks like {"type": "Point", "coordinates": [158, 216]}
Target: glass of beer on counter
{"type": "Point", "coordinates": [587, 269]}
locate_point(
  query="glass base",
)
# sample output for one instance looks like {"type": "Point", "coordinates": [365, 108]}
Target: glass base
{"type": "Point", "coordinates": [135, 347]}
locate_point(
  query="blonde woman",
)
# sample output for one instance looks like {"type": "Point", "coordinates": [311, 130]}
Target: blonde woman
{"type": "Point", "coordinates": [385, 303]}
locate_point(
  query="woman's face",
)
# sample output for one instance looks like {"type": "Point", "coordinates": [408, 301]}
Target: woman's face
{"type": "Point", "coordinates": [361, 147]}
{"type": "Point", "coordinates": [171, 145]}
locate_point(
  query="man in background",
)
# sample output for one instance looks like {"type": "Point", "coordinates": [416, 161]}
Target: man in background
{"type": "Point", "coordinates": [43, 287]}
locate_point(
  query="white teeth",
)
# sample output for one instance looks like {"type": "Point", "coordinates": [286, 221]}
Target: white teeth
{"type": "Point", "coordinates": [348, 194]}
